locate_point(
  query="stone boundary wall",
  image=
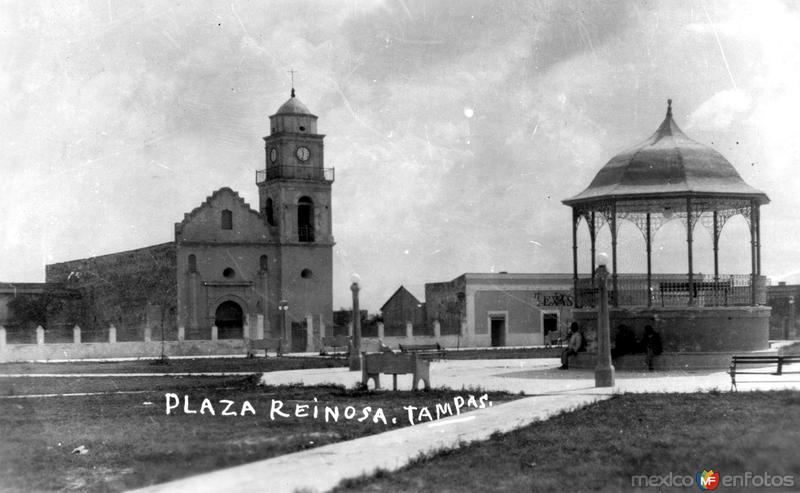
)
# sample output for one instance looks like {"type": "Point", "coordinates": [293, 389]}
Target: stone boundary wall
{"type": "Point", "coordinates": [710, 329]}
{"type": "Point", "coordinates": [132, 289]}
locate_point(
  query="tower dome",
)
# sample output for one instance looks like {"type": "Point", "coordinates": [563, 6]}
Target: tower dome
{"type": "Point", "coordinates": [293, 107]}
{"type": "Point", "coordinates": [667, 164]}
{"type": "Point", "coordinates": [293, 117]}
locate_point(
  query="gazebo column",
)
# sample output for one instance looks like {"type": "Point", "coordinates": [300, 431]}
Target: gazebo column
{"type": "Point", "coordinates": [593, 239]}
{"type": "Point", "coordinates": [758, 239]}
{"type": "Point", "coordinates": [689, 244]}
{"type": "Point", "coordinates": [649, 246]}
{"type": "Point", "coordinates": [753, 248]}
{"type": "Point", "coordinates": [715, 235]}
{"type": "Point", "coordinates": [614, 251]}
{"type": "Point", "coordinates": [575, 218]}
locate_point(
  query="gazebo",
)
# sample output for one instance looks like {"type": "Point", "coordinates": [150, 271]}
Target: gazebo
{"type": "Point", "coordinates": [671, 176]}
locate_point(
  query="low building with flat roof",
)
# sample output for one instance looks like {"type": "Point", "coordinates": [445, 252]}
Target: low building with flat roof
{"type": "Point", "coordinates": [501, 309]}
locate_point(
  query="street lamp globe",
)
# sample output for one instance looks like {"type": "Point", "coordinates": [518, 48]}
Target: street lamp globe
{"type": "Point", "coordinates": [355, 279]}
{"type": "Point", "coordinates": [602, 259]}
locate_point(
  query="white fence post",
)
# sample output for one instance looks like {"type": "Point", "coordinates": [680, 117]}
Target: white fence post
{"type": "Point", "coordinates": [181, 333]}
{"type": "Point", "coordinates": [39, 335]}
{"type": "Point", "coordinates": [259, 327]}
{"type": "Point", "coordinates": [437, 329]}
{"type": "Point", "coordinates": [381, 330]}
{"type": "Point", "coordinates": [409, 330]}
{"type": "Point", "coordinates": [112, 335]}
{"type": "Point", "coordinates": [309, 333]}
{"type": "Point", "coordinates": [214, 333]}
{"type": "Point", "coordinates": [2, 337]}
{"type": "Point", "coordinates": [148, 333]}
{"type": "Point", "coordinates": [76, 334]}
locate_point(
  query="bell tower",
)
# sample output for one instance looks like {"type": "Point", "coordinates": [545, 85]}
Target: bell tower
{"type": "Point", "coordinates": [295, 200]}
{"type": "Point", "coordinates": [295, 187]}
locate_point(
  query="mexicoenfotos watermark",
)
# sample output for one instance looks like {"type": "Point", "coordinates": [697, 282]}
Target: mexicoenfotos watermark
{"type": "Point", "coordinates": [709, 480]}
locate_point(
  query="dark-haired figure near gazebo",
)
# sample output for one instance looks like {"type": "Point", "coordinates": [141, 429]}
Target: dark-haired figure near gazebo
{"type": "Point", "coordinates": [670, 176]}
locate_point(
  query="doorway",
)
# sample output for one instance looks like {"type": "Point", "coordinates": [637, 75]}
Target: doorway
{"type": "Point", "coordinates": [550, 328]}
{"type": "Point", "coordinates": [229, 320]}
{"type": "Point", "coordinates": [299, 336]}
{"type": "Point", "coordinates": [497, 326]}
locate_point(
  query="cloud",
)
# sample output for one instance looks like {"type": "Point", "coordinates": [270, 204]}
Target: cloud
{"type": "Point", "coordinates": [720, 110]}
{"type": "Point", "coordinates": [118, 118]}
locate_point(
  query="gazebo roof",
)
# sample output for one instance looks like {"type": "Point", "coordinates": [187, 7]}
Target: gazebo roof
{"type": "Point", "coordinates": [667, 165]}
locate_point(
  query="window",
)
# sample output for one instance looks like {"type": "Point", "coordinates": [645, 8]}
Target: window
{"type": "Point", "coordinates": [228, 272]}
{"type": "Point", "coordinates": [270, 213]}
{"type": "Point", "coordinates": [264, 263]}
{"type": "Point", "coordinates": [192, 263]}
{"type": "Point", "coordinates": [305, 220]}
{"type": "Point", "coordinates": [227, 219]}
{"type": "Point", "coordinates": [306, 274]}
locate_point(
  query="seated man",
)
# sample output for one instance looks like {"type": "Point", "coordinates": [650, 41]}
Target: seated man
{"type": "Point", "coordinates": [575, 345]}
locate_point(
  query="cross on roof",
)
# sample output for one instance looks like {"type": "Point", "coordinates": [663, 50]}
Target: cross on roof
{"type": "Point", "coordinates": [292, 71]}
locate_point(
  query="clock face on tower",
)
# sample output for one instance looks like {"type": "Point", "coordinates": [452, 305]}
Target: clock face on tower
{"type": "Point", "coordinates": [302, 153]}
{"type": "Point", "coordinates": [273, 155]}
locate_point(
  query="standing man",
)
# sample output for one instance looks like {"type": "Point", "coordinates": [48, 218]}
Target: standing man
{"type": "Point", "coordinates": [652, 345]}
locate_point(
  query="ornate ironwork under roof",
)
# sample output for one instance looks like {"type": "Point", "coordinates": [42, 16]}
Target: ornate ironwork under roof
{"type": "Point", "coordinates": [666, 166]}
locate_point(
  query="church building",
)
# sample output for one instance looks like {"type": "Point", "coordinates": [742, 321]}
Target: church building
{"type": "Point", "coordinates": [232, 272]}
{"type": "Point", "coordinates": [238, 265]}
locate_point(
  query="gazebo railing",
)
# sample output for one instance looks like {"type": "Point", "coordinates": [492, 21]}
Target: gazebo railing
{"type": "Point", "coordinates": [669, 290]}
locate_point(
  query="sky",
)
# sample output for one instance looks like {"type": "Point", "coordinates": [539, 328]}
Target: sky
{"type": "Point", "coordinates": [456, 128]}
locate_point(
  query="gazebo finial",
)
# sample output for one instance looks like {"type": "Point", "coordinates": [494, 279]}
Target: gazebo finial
{"type": "Point", "coordinates": [669, 108]}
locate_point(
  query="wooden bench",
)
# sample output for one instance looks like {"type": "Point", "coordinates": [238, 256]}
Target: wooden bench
{"type": "Point", "coordinates": [254, 345]}
{"type": "Point", "coordinates": [373, 364]}
{"type": "Point", "coordinates": [336, 342]}
{"type": "Point", "coordinates": [434, 350]}
{"type": "Point", "coordinates": [763, 361]}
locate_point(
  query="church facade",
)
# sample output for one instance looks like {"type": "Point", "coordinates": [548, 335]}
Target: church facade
{"type": "Point", "coordinates": [233, 271]}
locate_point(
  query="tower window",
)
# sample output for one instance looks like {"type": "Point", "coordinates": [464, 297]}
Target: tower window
{"type": "Point", "coordinates": [302, 129]}
{"type": "Point", "coordinates": [270, 213]}
{"type": "Point", "coordinates": [227, 219]}
{"type": "Point", "coordinates": [306, 274]}
{"type": "Point", "coordinates": [192, 263]}
{"type": "Point", "coordinates": [264, 263]}
{"type": "Point", "coordinates": [228, 272]}
{"type": "Point", "coordinates": [305, 220]}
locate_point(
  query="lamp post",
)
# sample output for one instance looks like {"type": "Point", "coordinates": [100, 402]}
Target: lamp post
{"type": "Point", "coordinates": [355, 351]}
{"type": "Point", "coordinates": [604, 371]}
{"type": "Point", "coordinates": [788, 332]}
{"type": "Point", "coordinates": [283, 306]}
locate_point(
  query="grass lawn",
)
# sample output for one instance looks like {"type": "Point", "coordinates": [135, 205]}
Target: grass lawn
{"type": "Point", "coordinates": [259, 364]}
{"type": "Point", "coordinates": [132, 442]}
{"type": "Point", "coordinates": [600, 448]}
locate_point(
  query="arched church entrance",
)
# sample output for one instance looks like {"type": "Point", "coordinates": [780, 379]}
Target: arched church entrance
{"type": "Point", "coordinates": [229, 320]}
